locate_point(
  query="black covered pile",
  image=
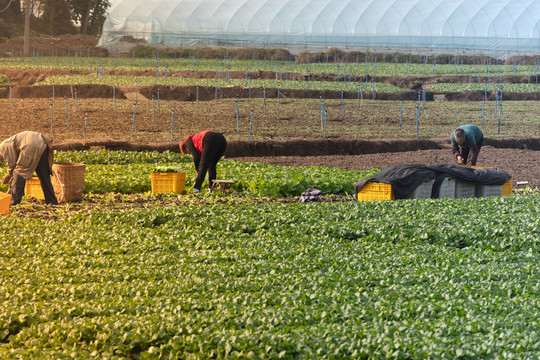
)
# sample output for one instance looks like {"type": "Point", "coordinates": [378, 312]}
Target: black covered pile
{"type": "Point", "coordinates": [406, 178]}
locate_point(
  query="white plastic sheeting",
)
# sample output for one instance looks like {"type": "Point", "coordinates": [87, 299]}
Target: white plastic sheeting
{"type": "Point", "coordinates": [439, 26]}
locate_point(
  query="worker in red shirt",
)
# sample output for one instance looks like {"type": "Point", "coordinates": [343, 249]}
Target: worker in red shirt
{"type": "Point", "coordinates": [207, 148]}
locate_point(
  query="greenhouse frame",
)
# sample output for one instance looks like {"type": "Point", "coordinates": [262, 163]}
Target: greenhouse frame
{"type": "Point", "coordinates": [495, 27]}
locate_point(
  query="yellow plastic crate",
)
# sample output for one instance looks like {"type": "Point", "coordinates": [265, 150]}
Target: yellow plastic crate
{"type": "Point", "coordinates": [33, 187]}
{"type": "Point", "coordinates": [168, 182]}
{"type": "Point", "coordinates": [507, 188]}
{"type": "Point", "coordinates": [375, 191]}
{"type": "Point", "coordinates": [5, 199]}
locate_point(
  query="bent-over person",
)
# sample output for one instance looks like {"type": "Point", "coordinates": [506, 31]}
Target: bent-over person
{"type": "Point", "coordinates": [207, 148]}
{"type": "Point", "coordinates": [25, 153]}
{"type": "Point", "coordinates": [466, 143]}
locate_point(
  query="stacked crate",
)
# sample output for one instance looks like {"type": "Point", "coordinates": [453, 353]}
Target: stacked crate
{"type": "Point", "coordinates": [422, 191]}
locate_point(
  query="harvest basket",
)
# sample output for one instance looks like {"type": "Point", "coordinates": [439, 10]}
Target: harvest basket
{"type": "Point", "coordinates": [5, 199]}
{"type": "Point", "coordinates": [33, 187]}
{"type": "Point", "coordinates": [168, 182]}
{"type": "Point", "coordinates": [375, 191]}
{"type": "Point", "coordinates": [68, 181]}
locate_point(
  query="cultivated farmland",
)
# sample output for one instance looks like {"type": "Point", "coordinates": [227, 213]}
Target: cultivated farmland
{"type": "Point", "coordinates": [125, 273]}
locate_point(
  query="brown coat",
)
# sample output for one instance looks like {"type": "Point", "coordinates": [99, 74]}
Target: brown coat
{"type": "Point", "coordinates": [21, 152]}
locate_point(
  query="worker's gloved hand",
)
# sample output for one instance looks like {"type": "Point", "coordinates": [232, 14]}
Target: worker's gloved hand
{"type": "Point", "coordinates": [6, 179]}
{"type": "Point", "coordinates": [460, 160]}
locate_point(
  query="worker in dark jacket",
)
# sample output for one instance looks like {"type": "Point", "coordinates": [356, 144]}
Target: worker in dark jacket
{"type": "Point", "coordinates": [23, 154]}
{"type": "Point", "coordinates": [466, 140]}
{"type": "Point", "coordinates": [207, 148]}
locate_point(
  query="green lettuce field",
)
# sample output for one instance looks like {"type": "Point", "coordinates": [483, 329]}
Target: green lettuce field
{"type": "Point", "coordinates": [128, 274]}
{"type": "Point", "coordinates": [402, 279]}
{"type": "Point", "coordinates": [449, 278]}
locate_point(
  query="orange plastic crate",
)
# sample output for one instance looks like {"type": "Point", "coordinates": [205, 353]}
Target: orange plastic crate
{"type": "Point", "coordinates": [33, 187]}
{"type": "Point", "coordinates": [168, 182]}
{"type": "Point", "coordinates": [375, 191]}
{"type": "Point", "coordinates": [5, 199]}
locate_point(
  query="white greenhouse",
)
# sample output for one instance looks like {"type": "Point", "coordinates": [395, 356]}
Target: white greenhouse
{"type": "Point", "coordinates": [502, 27]}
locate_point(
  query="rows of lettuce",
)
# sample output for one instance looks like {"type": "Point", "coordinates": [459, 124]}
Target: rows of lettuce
{"type": "Point", "coordinates": [452, 278]}
{"type": "Point", "coordinates": [474, 84]}
{"type": "Point", "coordinates": [129, 173]}
{"type": "Point", "coordinates": [97, 67]}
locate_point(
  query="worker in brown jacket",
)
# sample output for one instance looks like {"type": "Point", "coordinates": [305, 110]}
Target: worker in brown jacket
{"type": "Point", "coordinates": [23, 154]}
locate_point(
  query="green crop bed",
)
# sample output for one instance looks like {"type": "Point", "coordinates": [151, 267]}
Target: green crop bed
{"type": "Point", "coordinates": [94, 64]}
{"type": "Point", "coordinates": [129, 172]}
{"type": "Point", "coordinates": [176, 81]}
{"type": "Point", "coordinates": [454, 278]}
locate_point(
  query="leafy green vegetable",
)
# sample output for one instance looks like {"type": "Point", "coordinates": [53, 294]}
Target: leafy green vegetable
{"type": "Point", "coordinates": [167, 169]}
{"type": "Point", "coordinates": [454, 278]}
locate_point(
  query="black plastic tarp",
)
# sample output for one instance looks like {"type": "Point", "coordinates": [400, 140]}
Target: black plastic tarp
{"type": "Point", "coordinates": [406, 178]}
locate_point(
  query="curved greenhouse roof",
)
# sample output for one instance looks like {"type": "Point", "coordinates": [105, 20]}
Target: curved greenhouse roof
{"type": "Point", "coordinates": [439, 26]}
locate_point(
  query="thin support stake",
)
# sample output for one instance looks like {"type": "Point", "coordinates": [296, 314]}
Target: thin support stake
{"type": "Point", "coordinates": [133, 124]}
{"type": "Point", "coordinates": [483, 111]}
{"type": "Point", "coordinates": [51, 117]}
{"type": "Point", "coordinates": [500, 116]}
{"type": "Point", "coordinates": [417, 110]}
{"type": "Point", "coordinates": [251, 124]}
{"type": "Point", "coordinates": [85, 123]}
{"type": "Point", "coordinates": [237, 121]}
{"type": "Point", "coordinates": [325, 113]}
{"type": "Point", "coordinates": [67, 114]}
{"type": "Point", "coordinates": [172, 124]}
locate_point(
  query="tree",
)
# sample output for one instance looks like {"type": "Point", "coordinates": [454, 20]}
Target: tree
{"type": "Point", "coordinates": [27, 28]}
{"type": "Point", "coordinates": [10, 9]}
{"type": "Point", "coordinates": [56, 17]}
{"type": "Point", "coordinates": [90, 14]}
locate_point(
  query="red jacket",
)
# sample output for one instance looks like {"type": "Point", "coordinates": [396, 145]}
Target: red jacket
{"type": "Point", "coordinates": [197, 140]}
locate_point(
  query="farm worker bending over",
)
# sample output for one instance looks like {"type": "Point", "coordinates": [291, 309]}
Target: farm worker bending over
{"type": "Point", "coordinates": [207, 148]}
{"type": "Point", "coordinates": [23, 154]}
{"type": "Point", "coordinates": [466, 139]}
